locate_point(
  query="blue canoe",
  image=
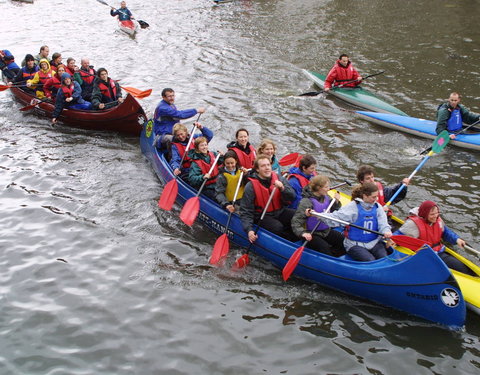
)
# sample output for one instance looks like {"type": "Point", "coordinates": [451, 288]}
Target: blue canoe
{"type": "Point", "coordinates": [420, 127]}
{"type": "Point", "coordinates": [397, 281]}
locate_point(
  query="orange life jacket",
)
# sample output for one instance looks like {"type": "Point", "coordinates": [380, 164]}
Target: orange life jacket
{"type": "Point", "coordinates": [262, 194]}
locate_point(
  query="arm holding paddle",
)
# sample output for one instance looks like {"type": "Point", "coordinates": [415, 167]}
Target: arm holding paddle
{"type": "Point", "coordinates": [446, 114]}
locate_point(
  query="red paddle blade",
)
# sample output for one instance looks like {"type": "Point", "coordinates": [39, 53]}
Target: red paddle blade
{"type": "Point", "coordinates": [220, 250]}
{"type": "Point", "coordinates": [241, 262]}
{"type": "Point", "coordinates": [190, 211]}
{"type": "Point", "coordinates": [144, 94]}
{"type": "Point", "coordinates": [167, 199]}
{"type": "Point", "coordinates": [289, 159]}
{"type": "Point", "coordinates": [4, 87]}
{"type": "Point", "coordinates": [408, 242]}
{"type": "Point", "coordinates": [292, 263]}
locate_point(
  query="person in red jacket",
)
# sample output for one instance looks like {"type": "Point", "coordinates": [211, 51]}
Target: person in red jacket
{"type": "Point", "coordinates": [245, 151]}
{"type": "Point", "coordinates": [53, 84]}
{"type": "Point", "coordinates": [106, 92]}
{"type": "Point", "coordinates": [342, 72]}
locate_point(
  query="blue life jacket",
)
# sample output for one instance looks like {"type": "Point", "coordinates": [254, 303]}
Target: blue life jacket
{"type": "Point", "coordinates": [318, 207]}
{"type": "Point", "coordinates": [455, 122]}
{"type": "Point", "coordinates": [367, 219]}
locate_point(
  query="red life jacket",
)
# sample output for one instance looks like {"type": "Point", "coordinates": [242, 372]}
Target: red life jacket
{"type": "Point", "coordinates": [432, 234]}
{"type": "Point", "coordinates": [43, 77]}
{"type": "Point", "coordinates": [302, 179]}
{"type": "Point", "coordinates": [381, 196]}
{"type": "Point", "coordinates": [181, 151]}
{"type": "Point", "coordinates": [68, 90]}
{"type": "Point", "coordinates": [262, 194]}
{"type": "Point", "coordinates": [205, 167]}
{"type": "Point", "coordinates": [105, 90]}
{"type": "Point", "coordinates": [245, 160]}
{"type": "Point", "coordinates": [87, 77]}
{"type": "Point", "coordinates": [69, 71]}
{"type": "Point", "coordinates": [342, 74]}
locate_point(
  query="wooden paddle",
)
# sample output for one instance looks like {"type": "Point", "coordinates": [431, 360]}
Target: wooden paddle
{"type": "Point", "coordinates": [143, 24]}
{"type": "Point", "coordinates": [244, 259]}
{"type": "Point", "coordinates": [315, 93]}
{"type": "Point", "coordinates": [439, 143]}
{"type": "Point", "coordinates": [295, 258]}
{"type": "Point", "coordinates": [192, 206]}
{"type": "Point", "coordinates": [456, 133]}
{"type": "Point", "coordinates": [222, 245]}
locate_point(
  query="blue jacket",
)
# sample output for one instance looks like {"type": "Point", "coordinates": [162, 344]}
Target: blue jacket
{"type": "Point", "coordinates": [60, 102]}
{"type": "Point", "coordinates": [176, 157]}
{"type": "Point", "coordinates": [295, 184]}
{"type": "Point", "coordinates": [167, 115]}
{"type": "Point", "coordinates": [123, 14]}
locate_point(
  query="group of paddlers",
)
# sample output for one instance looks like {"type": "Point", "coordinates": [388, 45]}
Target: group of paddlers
{"type": "Point", "coordinates": [251, 181]}
{"type": "Point", "coordinates": [68, 85]}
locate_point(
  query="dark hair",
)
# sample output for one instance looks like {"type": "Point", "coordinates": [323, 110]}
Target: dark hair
{"type": "Point", "coordinates": [363, 171]}
{"type": "Point", "coordinates": [343, 55]}
{"type": "Point", "coordinates": [306, 161]}
{"type": "Point", "coordinates": [241, 130]}
{"type": "Point", "coordinates": [165, 90]}
{"type": "Point", "coordinates": [29, 57]}
{"type": "Point", "coordinates": [366, 189]}
{"type": "Point", "coordinates": [42, 48]}
{"type": "Point", "coordinates": [70, 59]}
{"type": "Point", "coordinates": [231, 154]}
{"type": "Point", "coordinates": [101, 70]}
{"type": "Point", "coordinates": [56, 55]}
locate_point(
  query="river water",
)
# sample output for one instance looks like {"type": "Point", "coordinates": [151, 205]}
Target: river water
{"type": "Point", "coordinates": [97, 280]}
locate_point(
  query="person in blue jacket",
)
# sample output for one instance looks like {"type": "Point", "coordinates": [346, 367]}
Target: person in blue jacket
{"type": "Point", "coordinates": [451, 115]}
{"type": "Point", "coordinates": [123, 13]}
{"type": "Point", "coordinates": [69, 95]}
{"type": "Point", "coordinates": [8, 66]}
{"type": "Point", "coordinates": [300, 177]}
{"type": "Point", "coordinates": [167, 115]}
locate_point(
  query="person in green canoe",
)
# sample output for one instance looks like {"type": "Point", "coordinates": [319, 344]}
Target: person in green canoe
{"type": "Point", "coordinates": [451, 115]}
{"type": "Point", "coordinates": [342, 72]}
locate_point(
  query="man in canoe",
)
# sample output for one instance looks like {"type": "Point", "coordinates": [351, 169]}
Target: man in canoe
{"type": "Point", "coordinates": [25, 73]}
{"type": "Point", "coordinates": [8, 66]}
{"type": "Point", "coordinates": [167, 115]}
{"type": "Point", "coordinates": [451, 115]}
{"type": "Point", "coordinates": [123, 13]}
{"type": "Point", "coordinates": [257, 191]}
{"type": "Point", "coordinates": [106, 92]}
{"type": "Point", "coordinates": [343, 71]}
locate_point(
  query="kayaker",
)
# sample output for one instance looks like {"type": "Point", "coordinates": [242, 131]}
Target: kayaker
{"type": "Point", "coordinates": [25, 73]}
{"type": "Point", "coordinates": [166, 116]}
{"type": "Point", "coordinates": [53, 84]}
{"type": "Point", "coordinates": [366, 173]}
{"type": "Point", "coordinates": [179, 144]}
{"type": "Point", "coordinates": [245, 151]}
{"type": "Point", "coordinates": [123, 13]}
{"type": "Point", "coordinates": [451, 115]}
{"type": "Point", "coordinates": [315, 196]}
{"type": "Point", "coordinates": [40, 78]}
{"type": "Point", "coordinates": [426, 224]}
{"type": "Point", "coordinates": [8, 66]}
{"type": "Point", "coordinates": [56, 60]}
{"type": "Point", "coordinates": [87, 74]}
{"type": "Point", "coordinates": [261, 183]}
{"type": "Point", "coordinates": [202, 161]}
{"type": "Point", "coordinates": [227, 181]}
{"type": "Point", "coordinates": [343, 71]}
{"type": "Point", "coordinates": [363, 211]}
{"type": "Point", "coordinates": [300, 176]}
{"type": "Point", "coordinates": [69, 95]}
{"type": "Point", "coordinates": [106, 92]}
{"type": "Point", "coordinates": [268, 147]}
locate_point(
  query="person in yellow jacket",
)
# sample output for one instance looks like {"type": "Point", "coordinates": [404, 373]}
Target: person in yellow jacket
{"type": "Point", "coordinates": [227, 181]}
{"type": "Point", "coordinates": [41, 77]}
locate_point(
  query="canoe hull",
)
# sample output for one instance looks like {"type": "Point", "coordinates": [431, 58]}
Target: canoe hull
{"type": "Point", "coordinates": [419, 127]}
{"type": "Point", "coordinates": [129, 27]}
{"type": "Point", "coordinates": [413, 291]}
{"type": "Point", "coordinates": [358, 96]}
{"type": "Point", "coordinates": [126, 118]}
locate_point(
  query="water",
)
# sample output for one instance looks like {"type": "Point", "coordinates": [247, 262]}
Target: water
{"type": "Point", "coordinates": [96, 279]}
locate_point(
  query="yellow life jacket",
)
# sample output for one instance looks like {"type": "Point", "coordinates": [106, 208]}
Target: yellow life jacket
{"type": "Point", "coordinates": [232, 182]}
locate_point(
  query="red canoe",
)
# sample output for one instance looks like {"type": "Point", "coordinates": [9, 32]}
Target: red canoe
{"type": "Point", "coordinates": [125, 118]}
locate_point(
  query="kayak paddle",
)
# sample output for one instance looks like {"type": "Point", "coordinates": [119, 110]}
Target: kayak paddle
{"type": "Point", "coordinates": [289, 159]}
{"type": "Point", "coordinates": [295, 258]}
{"type": "Point", "coordinates": [315, 93]}
{"type": "Point", "coordinates": [143, 24]}
{"type": "Point", "coordinates": [439, 143]}
{"type": "Point", "coordinates": [222, 245]}
{"type": "Point", "coordinates": [191, 208]}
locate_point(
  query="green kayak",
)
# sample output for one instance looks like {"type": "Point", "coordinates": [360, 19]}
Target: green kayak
{"type": "Point", "coordinates": [358, 96]}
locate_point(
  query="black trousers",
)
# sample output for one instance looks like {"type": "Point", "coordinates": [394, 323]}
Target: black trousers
{"type": "Point", "coordinates": [280, 223]}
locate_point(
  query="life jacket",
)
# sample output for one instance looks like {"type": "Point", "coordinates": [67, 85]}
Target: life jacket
{"type": "Point", "coordinates": [318, 207]}
{"type": "Point", "coordinates": [205, 167]}
{"type": "Point", "coordinates": [245, 160]}
{"type": "Point", "coordinates": [262, 194]}
{"type": "Point", "coordinates": [455, 122]}
{"type": "Point", "coordinates": [43, 76]}
{"type": "Point", "coordinates": [68, 90]}
{"type": "Point", "coordinates": [381, 196]}
{"type": "Point", "coordinates": [367, 219]}
{"type": "Point", "coordinates": [28, 74]}
{"type": "Point", "coordinates": [69, 71]}
{"type": "Point", "coordinates": [187, 161]}
{"type": "Point", "coordinates": [105, 90]}
{"type": "Point", "coordinates": [344, 74]}
{"type": "Point", "coordinates": [302, 179]}
{"type": "Point", "coordinates": [432, 234]}
{"type": "Point", "coordinates": [232, 182]}
{"type": "Point", "coordinates": [87, 76]}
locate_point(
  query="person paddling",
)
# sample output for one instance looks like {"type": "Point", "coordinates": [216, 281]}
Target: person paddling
{"type": "Point", "coordinates": [106, 92]}
{"type": "Point", "coordinates": [26, 73]}
{"type": "Point", "coordinates": [53, 84]}
{"type": "Point", "coordinates": [451, 115]}
{"type": "Point", "coordinates": [300, 176]}
{"type": "Point", "coordinates": [123, 13]}
{"type": "Point", "coordinates": [228, 180]}
{"type": "Point", "coordinates": [342, 71]}
{"type": "Point", "coordinates": [242, 147]}
{"type": "Point", "coordinates": [41, 77]}
{"type": "Point", "coordinates": [8, 66]}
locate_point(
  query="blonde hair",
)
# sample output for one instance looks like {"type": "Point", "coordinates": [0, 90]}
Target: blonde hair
{"type": "Point", "coordinates": [198, 141]}
{"type": "Point", "coordinates": [264, 144]}
{"type": "Point", "coordinates": [179, 127]}
{"type": "Point", "coordinates": [317, 182]}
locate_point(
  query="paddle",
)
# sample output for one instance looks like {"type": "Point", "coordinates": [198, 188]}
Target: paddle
{"type": "Point", "coordinates": [315, 93]}
{"type": "Point", "coordinates": [340, 185]}
{"type": "Point", "coordinates": [136, 92]}
{"type": "Point", "coordinates": [222, 245]}
{"type": "Point", "coordinates": [6, 87]}
{"type": "Point", "coordinates": [456, 133]}
{"type": "Point", "coordinates": [192, 206]}
{"type": "Point", "coordinates": [31, 106]}
{"type": "Point", "coordinates": [471, 249]}
{"type": "Point", "coordinates": [244, 259]}
{"type": "Point", "coordinates": [289, 159]}
{"type": "Point", "coordinates": [415, 243]}
{"type": "Point", "coordinates": [143, 24]}
{"type": "Point", "coordinates": [295, 258]}
{"type": "Point", "coordinates": [167, 199]}
{"type": "Point", "coordinates": [439, 143]}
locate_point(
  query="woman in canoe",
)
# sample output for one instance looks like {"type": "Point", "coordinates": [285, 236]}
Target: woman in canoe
{"type": "Point", "coordinates": [53, 84]}
{"type": "Point", "coordinates": [41, 77]}
{"type": "Point", "coordinates": [315, 197]}
{"type": "Point", "coordinates": [268, 148]}
{"type": "Point", "coordinates": [363, 211]}
{"type": "Point", "coordinates": [426, 224]}
{"type": "Point", "coordinates": [202, 160]}
{"type": "Point", "coordinates": [242, 147]}
{"type": "Point", "coordinates": [179, 145]}
{"type": "Point", "coordinates": [227, 181]}
{"type": "Point", "coordinates": [300, 176]}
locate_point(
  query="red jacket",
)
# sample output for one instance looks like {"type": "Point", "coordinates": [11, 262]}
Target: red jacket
{"type": "Point", "coordinates": [339, 74]}
{"type": "Point", "coordinates": [262, 194]}
{"type": "Point", "coordinates": [432, 234]}
{"type": "Point", "coordinates": [205, 167]}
